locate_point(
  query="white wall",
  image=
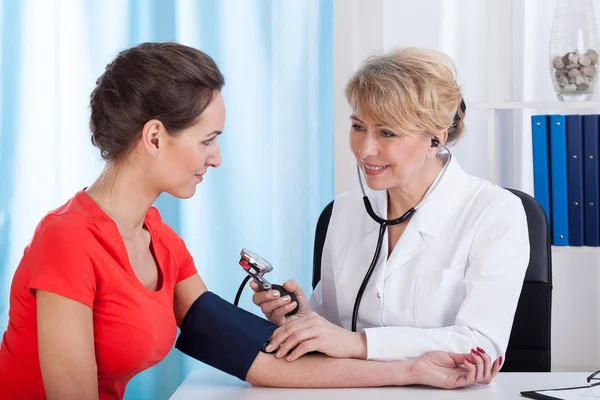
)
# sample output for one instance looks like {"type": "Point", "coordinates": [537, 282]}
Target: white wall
{"type": "Point", "coordinates": [351, 45]}
{"type": "Point", "coordinates": [501, 49]}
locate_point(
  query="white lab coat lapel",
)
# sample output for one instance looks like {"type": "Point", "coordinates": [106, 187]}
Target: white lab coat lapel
{"type": "Point", "coordinates": [409, 245]}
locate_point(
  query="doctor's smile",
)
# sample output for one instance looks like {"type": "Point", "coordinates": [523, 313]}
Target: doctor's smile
{"type": "Point", "coordinates": [372, 169]}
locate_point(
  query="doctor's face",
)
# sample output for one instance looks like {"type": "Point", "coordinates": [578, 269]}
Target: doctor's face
{"type": "Point", "coordinates": [389, 157]}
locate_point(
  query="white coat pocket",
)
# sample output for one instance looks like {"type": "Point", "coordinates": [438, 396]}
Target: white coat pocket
{"type": "Point", "coordinates": [438, 296]}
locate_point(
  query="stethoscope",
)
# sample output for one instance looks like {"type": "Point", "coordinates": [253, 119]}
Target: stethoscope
{"type": "Point", "coordinates": [384, 223]}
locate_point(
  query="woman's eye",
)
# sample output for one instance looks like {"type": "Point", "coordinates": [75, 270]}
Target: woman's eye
{"type": "Point", "coordinates": [387, 134]}
{"type": "Point", "coordinates": [209, 141]}
{"type": "Point", "coordinates": [356, 127]}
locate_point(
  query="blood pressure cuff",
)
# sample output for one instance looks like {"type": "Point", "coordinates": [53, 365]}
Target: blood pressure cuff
{"type": "Point", "coordinates": [222, 335]}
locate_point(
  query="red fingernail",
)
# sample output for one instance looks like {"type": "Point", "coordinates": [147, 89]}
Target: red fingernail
{"type": "Point", "coordinates": [479, 349]}
{"type": "Point", "coordinates": [500, 360]}
{"type": "Point", "coordinates": [467, 361]}
{"type": "Point", "coordinates": [474, 352]}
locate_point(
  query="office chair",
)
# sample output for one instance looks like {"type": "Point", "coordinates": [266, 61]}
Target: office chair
{"type": "Point", "coordinates": [529, 344]}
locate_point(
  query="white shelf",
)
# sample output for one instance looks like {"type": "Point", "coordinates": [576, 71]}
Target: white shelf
{"type": "Point", "coordinates": [576, 250]}
{"type": "Point", "coordinates": [544, 105]}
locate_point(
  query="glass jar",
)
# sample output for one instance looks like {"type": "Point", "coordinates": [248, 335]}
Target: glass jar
{"type": "Point", "coordinates": [574, 49]}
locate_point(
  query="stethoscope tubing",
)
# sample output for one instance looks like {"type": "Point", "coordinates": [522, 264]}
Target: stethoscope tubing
{"type": "Point", "coordinates": [383, 224]}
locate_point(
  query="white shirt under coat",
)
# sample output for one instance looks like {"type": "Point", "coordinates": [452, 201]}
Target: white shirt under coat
{"type": "Point", "coordinates": [452, 282]}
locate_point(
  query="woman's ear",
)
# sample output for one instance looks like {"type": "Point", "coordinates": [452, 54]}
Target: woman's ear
{"type": "Point", "coordinates": [151, 139]}
{"type": "Point", "coordinates": [438, 139]}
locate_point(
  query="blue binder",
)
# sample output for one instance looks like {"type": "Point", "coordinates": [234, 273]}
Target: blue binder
{"type": "Point", "coordinates": [558, 180]}
{"type": "Point", "coordinates": [575, 179]}
{"type": "Point", "coordinates": [591, 186]}
{"type": "Point", "coordinates": [541, 162]}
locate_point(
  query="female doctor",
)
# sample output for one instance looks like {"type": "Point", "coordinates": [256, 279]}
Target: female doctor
{"type": "Point", "coordinates": [450, 270]}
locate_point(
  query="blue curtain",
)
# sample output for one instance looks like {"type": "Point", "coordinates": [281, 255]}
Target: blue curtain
{"type": "Point", "coordinates": [277, 147]}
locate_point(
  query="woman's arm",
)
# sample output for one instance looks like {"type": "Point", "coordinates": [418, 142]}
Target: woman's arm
{"type": "Point", "coordinates": [437, 369]}
{"type": "Point", "coordinates": [66, 348]}
{"type": "Point", "coordinates": [230, 339]}
{"type": "Point", "coordinates": [186, 292]}
{"type": "Point", "coordinates": [324, 371]}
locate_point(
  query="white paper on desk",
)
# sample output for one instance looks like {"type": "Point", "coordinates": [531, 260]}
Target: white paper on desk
{"type": "Point", "coordinates": [573, 394]}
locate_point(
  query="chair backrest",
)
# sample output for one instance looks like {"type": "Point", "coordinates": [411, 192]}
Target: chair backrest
{"type": "Point", "coordinates": [529, 343]}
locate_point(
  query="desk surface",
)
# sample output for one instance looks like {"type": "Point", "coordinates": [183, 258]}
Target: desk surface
{"type": "Point", "coordinates": [213, 385]}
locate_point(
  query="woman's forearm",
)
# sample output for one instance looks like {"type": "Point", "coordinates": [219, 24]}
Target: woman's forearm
{"type": "Point", "coordinates": [323, 371]}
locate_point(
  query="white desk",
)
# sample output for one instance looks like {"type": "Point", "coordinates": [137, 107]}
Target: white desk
{"type": "Point", "coordinates": [213, 385]}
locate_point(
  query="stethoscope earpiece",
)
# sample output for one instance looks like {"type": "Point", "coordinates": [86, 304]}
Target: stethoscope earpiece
{"type": "Point", "coordinates": [434, 143]}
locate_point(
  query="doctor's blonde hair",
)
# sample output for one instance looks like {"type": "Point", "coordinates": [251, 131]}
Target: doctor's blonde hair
{"type": "Point", "coordinates": [410, 89]}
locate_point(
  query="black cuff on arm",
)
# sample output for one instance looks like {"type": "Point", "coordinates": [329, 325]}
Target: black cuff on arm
{"type": "Point", "coordinates": [222, 335]}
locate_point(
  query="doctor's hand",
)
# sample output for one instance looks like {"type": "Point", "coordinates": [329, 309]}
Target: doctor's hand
{"type": "Point", "coordinates": [275, 307]}
{"type": "Point", "coordinates": [315, 333]}
{"type": "Point", "coordinates": [452, 370]}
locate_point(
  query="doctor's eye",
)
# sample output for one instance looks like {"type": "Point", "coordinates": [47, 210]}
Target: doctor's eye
{"type": "Point", "coordinates": [357, 127]}
{"type": "Point", "coordinates": [388, 134]}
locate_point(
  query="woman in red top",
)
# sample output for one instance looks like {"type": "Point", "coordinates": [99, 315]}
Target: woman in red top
{"type": "Point", "coordinates": [104, 283]}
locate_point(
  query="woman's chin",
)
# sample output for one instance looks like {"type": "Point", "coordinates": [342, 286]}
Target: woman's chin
{"type": "Point", "coordinates": [377, 184]}
{"type": "Point", "coordinates": [183, 192]}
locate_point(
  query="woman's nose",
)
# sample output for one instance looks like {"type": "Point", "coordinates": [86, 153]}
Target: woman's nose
{"type": "Point", "coordinates": [214, 159]}
{"type": "Point", "coordinates": [368, 147]}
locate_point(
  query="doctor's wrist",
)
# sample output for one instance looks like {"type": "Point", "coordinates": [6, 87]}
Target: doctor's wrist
{"type": "Point", "coordinates": [360, 345]}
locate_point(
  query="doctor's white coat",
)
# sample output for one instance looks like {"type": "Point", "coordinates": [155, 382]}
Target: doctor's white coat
{"type": "Point", "coordinates": [452, 282]}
